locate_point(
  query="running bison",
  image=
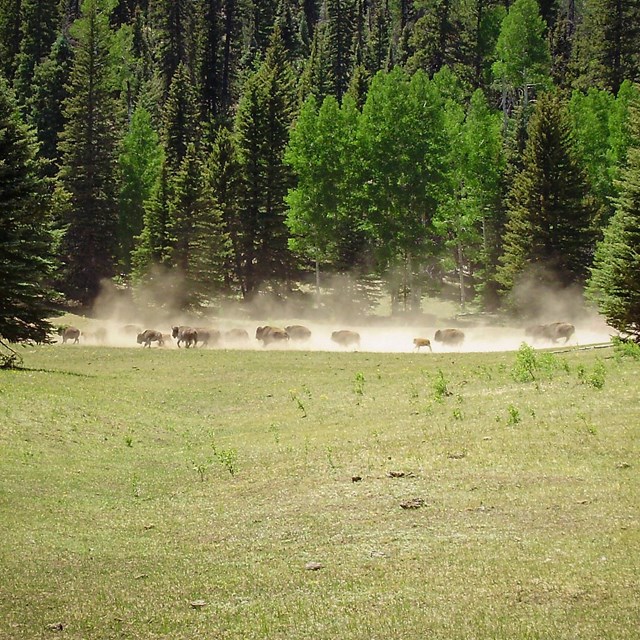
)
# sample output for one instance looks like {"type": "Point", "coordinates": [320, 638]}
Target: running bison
{"type": "Point", "coordinates": [421, 342]}
{"type": "Point", "coordinates": [271, 334]}
{"type": "Point", "coordinates": [346, 338]}
{"type": "Point", "coordinates": [551, 332]}
{"type": "Point", "coordinates": [148, 336]}
{"type": "Point", "coordinates": [450, 337]}
{"type": "Point", "coordinates": [206, 336]}
{"type": "Point", "coordinates": [69, 333]}
{"type": "Point", "coordinates": [188, 335]}
{"type": "Point", "coordinates": [236, 335]}
{"type": "Point", "coordinates": [298, 332]}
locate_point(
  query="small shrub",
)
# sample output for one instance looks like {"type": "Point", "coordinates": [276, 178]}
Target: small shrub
{"type": "Point", "coordinates": [358, 384]}
{"type": "Point", "coordinates": [626, 348]}
{"type": "Point", "coordinates": [597, 377]}
{"type": "Point", "coordinates": [514, 415]}
{"type": "Point", "coordinates": [440, 387]}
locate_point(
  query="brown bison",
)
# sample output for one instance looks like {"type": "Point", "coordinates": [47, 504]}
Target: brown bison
{"type": "Point", "coordinates": [551, 332]}
{"type": "Point", "coordinates": [131, 329]}
{"type": "Point", "coordinates": [69, 333]}
{"type": "Point", "coordinates": [148, 336]}
{"type": "Point", "coordinates": [206, 336]}
{"type": "Point", "coordinates": [188, 335]}
{"type": "Point", "coordinates": [236, 335]}
{"type": "Point", "coordinates": [451, 337]}
{"type": "Point", "coordinates": [421, 342]}
{"type": "Point", "coordinates": [271, 334]}
{"type": "Point", "coordinates": [298, 332]}
{"type": "Point", "coordinates": [346, 338]}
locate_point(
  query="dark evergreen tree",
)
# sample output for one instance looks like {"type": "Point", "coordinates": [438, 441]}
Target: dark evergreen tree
{"type": "Point", "coordinates": [548, 234]}
{"type": "Point", "coordinates": [25, 240]}
{"type": "Point", "coordinates": [379, 38]}
{"type": "Point", "coordinates": [317, 77]}
{"type": "Point", "coordinates": [173, 27]}
{"type": "Point", "coordinates": [180, 118]}
{"type": "Point", "coordinates": [264, 116]}
{"type": "Point", "coordinates": [39, 20]}
{"type": "Point", "coordinates": [340, 32]}
{"type": "Point", "coordinates": [224, 181]}
{"type": "Point", "coordinates": [209, 30]}
{"type": "Point", "coordinates": [615, 277]}
{"type": "Point", "coordinates": [87, 144]}
{"type": "Point", "coordinates": [45, 105]}
{"type": "Point", "coordinates": [9, 36]}
{"type": "Point", "coordinates": [607, 45]}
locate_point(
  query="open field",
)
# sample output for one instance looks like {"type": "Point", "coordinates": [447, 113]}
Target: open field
{"type": "Point", "coordinates": [164, 493]}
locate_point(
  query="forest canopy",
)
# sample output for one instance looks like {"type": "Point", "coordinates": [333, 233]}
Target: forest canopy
{"type": "Point", "coordinates": [244, 146]}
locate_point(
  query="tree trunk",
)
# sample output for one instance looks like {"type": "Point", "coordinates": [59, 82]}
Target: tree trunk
{"type": "Point", "coordinates": [463, 298]}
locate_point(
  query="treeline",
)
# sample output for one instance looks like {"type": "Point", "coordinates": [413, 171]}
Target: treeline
{"type": "Point", "coordinates": [246, 145]}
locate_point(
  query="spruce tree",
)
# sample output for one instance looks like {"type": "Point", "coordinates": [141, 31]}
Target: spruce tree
{"type": "Point", "coordinates": [615, 277]}
{"type": "Point", "coordinates": [45, 107]}
{"type": "Point", "coordinates": [9, 36]}
{"type": "Point", "coordinates": [37, 33]}
{"type": "Point", "coordinates": [548, 233]}
{"type": "Point", "coordinates": [607, 44]}
{"type": "Point", "coordinates": [341, 28]}
{"type": "Point", "coordinates": [25, 240]}
{"type": "Point", "coordinates": [264, 117]}
{"type": "Point", "coordinates": [87, 144]}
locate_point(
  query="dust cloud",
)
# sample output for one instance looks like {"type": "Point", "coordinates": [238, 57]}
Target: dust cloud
{"type": "Point", "coordinates": [119, 315]}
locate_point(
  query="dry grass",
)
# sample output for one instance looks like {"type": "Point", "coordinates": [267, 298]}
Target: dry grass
{"type": "Point", "coordinates": [136, 482]}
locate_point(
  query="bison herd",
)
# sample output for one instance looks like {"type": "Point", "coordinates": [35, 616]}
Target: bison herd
{"type": "Point", "coordinates": [187, 336]}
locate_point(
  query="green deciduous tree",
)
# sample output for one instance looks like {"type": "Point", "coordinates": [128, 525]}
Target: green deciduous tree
{"type": "Point", "coordinates": [615, 278]}
{"type": "Point", "coordinates": [522, 52]}
{"type": "Point", "coordinates": [25, 240]}
{"type": "Point", "coordinates": [139, 166]}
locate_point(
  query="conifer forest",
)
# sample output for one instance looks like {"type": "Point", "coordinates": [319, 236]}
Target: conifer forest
{"type": "Point", "coordinates": [238, 147]}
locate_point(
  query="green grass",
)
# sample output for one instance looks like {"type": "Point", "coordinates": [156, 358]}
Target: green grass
{"type": "Point", "coordinates": [134, 482]}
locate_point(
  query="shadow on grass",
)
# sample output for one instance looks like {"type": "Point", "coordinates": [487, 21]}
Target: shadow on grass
{"type": "Point", "coordinates": [64, 373]}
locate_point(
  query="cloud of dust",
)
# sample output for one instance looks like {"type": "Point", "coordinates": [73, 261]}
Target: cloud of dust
{"type": "Point", "coordinates": [120, 314]}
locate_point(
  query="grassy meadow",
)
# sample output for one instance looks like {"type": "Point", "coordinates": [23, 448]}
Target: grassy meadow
{"type": "Point", "coordinates": [163, 493]}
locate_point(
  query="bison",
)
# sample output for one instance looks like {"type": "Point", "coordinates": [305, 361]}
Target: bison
{"type": "Point", "coordinates": [451, 337]}
{"type": "Point", "coordinates": [271, 334]}
{"type": "Point", "coordinates": [69, 333]}
{"type": "Point", "coordinates": [551, 332]}
{"type": "Point", "coordinates": [131, 329]}
{"type": "Point", "coordinates": [236, 335]}
{"type": "Point", "coordinates": [421, 342]}
{"type": "Point", "coordinates": [188, 335]}
{"type": "Point", "coordinates": [298, 332]}
{"type": "Point", "coordinates": [148, 336]}
{"type": "Point", "coordinates": [207, 335]}
{"type": "Point", "coordinates": [346, 338]}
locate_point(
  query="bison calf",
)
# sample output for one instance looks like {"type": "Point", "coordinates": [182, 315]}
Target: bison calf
{"type": "Point", "coordinates": [451, 337]}
{"type": "Point", "coordinates": [271, 334]}
{"type": "Point", "coordinates": [69, 333]}
{"type": "Point", "coordinates": [421, 342]}
{"type": "Point", "coordinates": [188, 335]}
{"type": "Point", "coordinates": [148, 336]}
{"type": "Point", "coordinates": [346, 338]}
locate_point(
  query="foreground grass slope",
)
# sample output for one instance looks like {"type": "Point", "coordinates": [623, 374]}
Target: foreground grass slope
{"type": "Point", "coordinates": [134, 483]}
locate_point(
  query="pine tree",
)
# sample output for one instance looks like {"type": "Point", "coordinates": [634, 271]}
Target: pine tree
{"type": "Point", "coordinates": [264, 116]}
{"type": "Point", "coordinates": [45, 107]}
{"type": "Point", "coordinates": [180, 118]}
{"type": "Point", "coordinates": [87, 144]}
{"type": "Point", "coordinates": [223, 172]}
{"type": "Point", "coordinates": [341, 26]}
{"type": "Point", "coordinates": [26, 244]}
{"type": "Point", "coordinates": [548, 234]}
{"type": "Point", "coordinates": [39, 20]}
{"type": "Point", "coordinates": [607, 44]}
{"type": "Point", "coordinates": [615, 277]}
{"type": "Point", "coordinates": [9, 36]}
